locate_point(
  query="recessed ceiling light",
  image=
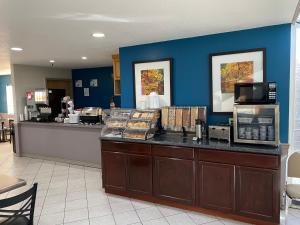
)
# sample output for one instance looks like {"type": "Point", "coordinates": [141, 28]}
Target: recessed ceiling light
{"type": "Point", "coordinates": [16, 49]}
{"type": "Point", "coordinates": [51, 61]}
{"type": "Point", "coordinates": [98, 35]}
{"type": "Point", "coordinates": [84, 58]}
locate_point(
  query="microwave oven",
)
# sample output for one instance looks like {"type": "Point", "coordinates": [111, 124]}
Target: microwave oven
{"type": "Point", "coordinates": [255, 93]}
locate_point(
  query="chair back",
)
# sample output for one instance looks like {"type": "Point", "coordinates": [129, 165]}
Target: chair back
{"type": "Point", "coordinates": [294, 165]}
{"type": "Point", "coordinates": [26, 211]}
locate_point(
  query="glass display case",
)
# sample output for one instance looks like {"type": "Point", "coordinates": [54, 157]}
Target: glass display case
{"type": "Point", "coordinates": [120, 113]}
{"type": "Point", "coordinates": [132, 124]}
{"type": "Point", "coordinates": [142, 134]}
{"type": "Point", "coordinates": [152, 115]}
{"type": "Point", "coordinates": [256, 124]}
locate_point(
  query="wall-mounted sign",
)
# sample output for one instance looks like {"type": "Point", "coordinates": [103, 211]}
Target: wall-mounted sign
{"type": "Point", "coordinates": [86, 92]}
{"type": "Point", "coordinates": [78, 83]}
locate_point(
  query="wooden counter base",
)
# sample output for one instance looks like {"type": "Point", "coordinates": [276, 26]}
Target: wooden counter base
{"type": "Point", "coordinates": [241, 186]}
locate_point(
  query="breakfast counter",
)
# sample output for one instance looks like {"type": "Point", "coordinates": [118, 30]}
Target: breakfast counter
{"type": "Point", "coordinates": [239, 181]}
{"type": "Point", "coordinates": [72, 143]}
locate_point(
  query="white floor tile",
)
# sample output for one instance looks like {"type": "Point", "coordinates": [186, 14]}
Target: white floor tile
{"type": "Point", "coordinates": [92, 202]}
{"type": "Point", "coordinates": [53, 208]}
{"type": "Point", "coordinates": [99, 210]}
{"type": "Point", "coordinates": [117, 199]}
{"type": "Point", "coordinates": [52, 219]}
{"type": "Point", "coordinates": [233, 222]}
{"type": "Point", "coordinates": [149, 214]}
{"type": "Point", "coordinates": [218, 222]}
{"type": "Point", "coordinates": [180, 219]}
{"type": "Point", "coordinates": [169, 211]}
{"type": "Point", "coordinates": [75, 215]}
{"type": "Point", "coordinates": [121, 207]}
{"type": "Point", "coordinates": [81, 222]}
{"type": "Point", "coordinates": [200, 218]}
{"type": "Point", "coordinates": [76, 195]}
{"type": "Point", "coordinates": [137, 204]}
{"type": "Point", "coordinates": [103, 220]}
{"type": "Point", "coordinates": [161, 221]}
{"type": "Point", "coordinates": [126, 218]}
{"type": "Point", "coordinates": [76, 204]}
{"type": "Point", "coordinates": [55, 199]}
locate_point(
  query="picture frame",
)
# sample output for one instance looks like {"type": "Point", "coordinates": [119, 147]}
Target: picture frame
{"type": "Point", "coordinates": [93, 82]}
{"type": "Point", "coordinates": [228, 68]}
{"type": "Point", "coordinates": [152, 76]}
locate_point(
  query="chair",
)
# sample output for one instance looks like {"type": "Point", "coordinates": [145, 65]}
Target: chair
{"type": "Point", "coordinates": [2, 132]}
{"type": "Point", "coordinates": [9, 131]}
{"type": "Point", "coordinates": [22, 216]}
{"type": "Point", "coordinates": [293, 190]}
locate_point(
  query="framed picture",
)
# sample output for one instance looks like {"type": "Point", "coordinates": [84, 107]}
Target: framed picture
{"type": "Point", "coordinates": [228, 68]}
{"type": "Point", "coordinates": [152, 76]}
{"type": "Point", "coordinates": [78, 83]}
{"type": "Point", "coordinates": [94, 82]}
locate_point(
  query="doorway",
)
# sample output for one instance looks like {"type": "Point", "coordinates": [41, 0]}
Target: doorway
{"type": "Point", "coordinates": [65, 84]}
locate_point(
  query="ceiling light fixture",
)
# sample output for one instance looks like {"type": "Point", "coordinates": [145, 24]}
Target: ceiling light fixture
{"type": "Point", "coordinates": [84, 58]}
{"type": "Point", "coordinates": [16, 49]}
{"type": "Point", "coordinates": [98, 35]}
{"type": "Point", "coordinates": [51, 61]}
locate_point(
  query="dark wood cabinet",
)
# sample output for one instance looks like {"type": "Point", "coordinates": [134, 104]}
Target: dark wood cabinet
{"type": "Point", "coordinates": [216, 186]}
{"type": "Point", "coordinates": [127, 167]}
{"type": "Point", "coordinates": [257, 193]}
{"type": "Point", "coordinates": [174, 179]}
{"type": "Point", "coordinates": [139, 174]}
{"type": "Point", "coordinates": [245, 185]}
{"type": "Point", "coordinates": [114, 170]}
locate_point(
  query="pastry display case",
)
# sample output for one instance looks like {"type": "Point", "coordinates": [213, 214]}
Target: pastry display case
{"type": "Point", "coordinates": [138, 134]}
{"type": "Point", "coordinates": [132, 124]}
{"type": "Point", "coordinates": [116, 123]}
{"type": "Point", "coordinates": [120, 113]}
{"type": "Point", "coordinates": [112, 132]}
{"type": "Point", "coordinates": [152, 115]}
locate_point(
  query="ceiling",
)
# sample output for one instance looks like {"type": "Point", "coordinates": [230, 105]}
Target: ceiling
{"type": "Point", "coordinates": [61, 29]}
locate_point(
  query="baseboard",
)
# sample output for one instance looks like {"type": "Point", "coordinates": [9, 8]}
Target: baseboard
{"type": "Point", "coordinates": [73, 162]}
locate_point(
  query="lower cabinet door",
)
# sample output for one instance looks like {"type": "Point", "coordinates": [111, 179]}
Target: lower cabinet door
{"type": "Point", "coordinates": [139, 174]}
{"type": "Point", "coordinates": [215, 186]}
{"type": "Point", "coordinates": [258, 193]}
{"type": "Point", "coordinates": [174, 179]}
{"type": "Point", "coordinates": [114, 170]}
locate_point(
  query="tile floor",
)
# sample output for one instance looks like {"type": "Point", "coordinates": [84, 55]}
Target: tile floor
{"type": "Point", "coordinates": [72, 195]}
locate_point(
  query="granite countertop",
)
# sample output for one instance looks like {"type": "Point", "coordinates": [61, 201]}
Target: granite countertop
{"type": "Point", "coordinates": [54, 124]}
{"type": "Point", "coordinates": [178, 140]}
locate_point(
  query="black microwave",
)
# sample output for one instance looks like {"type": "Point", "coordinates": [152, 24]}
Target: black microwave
{"type": "Point", "coordinates": [255, 93]}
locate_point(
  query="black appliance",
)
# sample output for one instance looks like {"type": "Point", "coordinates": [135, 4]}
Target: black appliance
{"type": "Point", "coordinates": [255, 93]}
{"type": "Point", "coordinates": [54, 99]}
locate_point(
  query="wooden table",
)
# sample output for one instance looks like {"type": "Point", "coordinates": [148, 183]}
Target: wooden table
{"type": "Point", "coordinates": [8, 183]}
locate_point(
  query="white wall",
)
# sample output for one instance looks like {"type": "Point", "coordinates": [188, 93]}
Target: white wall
{"type": "Point", "coordinates": [32, 77]}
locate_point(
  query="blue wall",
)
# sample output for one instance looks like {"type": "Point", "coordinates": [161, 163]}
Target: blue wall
{"type": "Point", "coordinates": [191, 79]}
{"type": "Point", "coordinates": [4, 80]}
{"type": "Point", "coordinates": [99, 96]}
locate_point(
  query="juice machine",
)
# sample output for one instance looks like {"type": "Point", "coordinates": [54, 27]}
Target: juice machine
{"type": "Point", "coordinates": [43, 105]}
{"type": "Point", "coordinates": [35, 99]}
